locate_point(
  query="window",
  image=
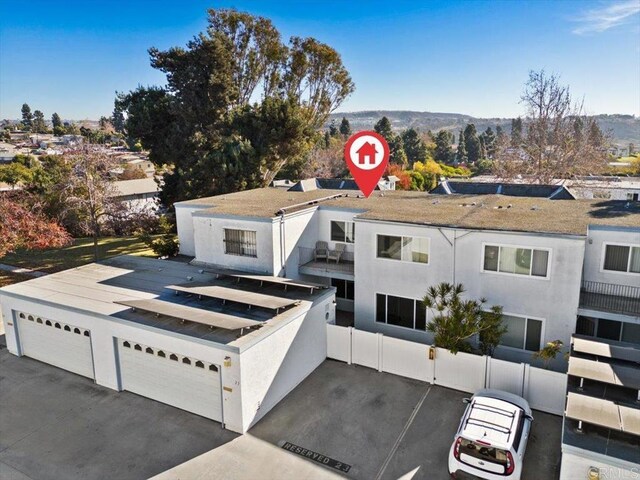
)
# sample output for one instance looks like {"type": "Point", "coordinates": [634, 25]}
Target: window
{"type": "Point", "coordinates": [173, 357]}
{"type": "Point", "coordinates": [124, 344]}
{"type": "Point", "coordinates": [399, 311]}
{"type": "Point", "coordinates": [344, 288]}
{"type": "Point", "coordinates": [516, 260]}
{"type": "Point", "coordinates": [407, 249]}
{"type": "Point", "coordinates": [186, 361]}
{"type": "Point", "coordinates": [67, 328]}
{"type": "Point", "coordinates": [161, 354]}
{"type": "Point", "coordinates": [213, 368]}
{"type": "Point", "coordinates": [138, 347]}
{"type": "Point", "coordinates": [149, 350]}
{"type": "Point", "coordinates": [622, 258]}
{"type": "Point", "coordinates": [240, 242]}
{"type": "Point", "coordinates": [199, 364]}
{"type": "Point", "coordinates": [609, 329]}
{"type": "Point", "coordinates": [343, 232]}
{"type": "Point", "coordinates": [522, 333]}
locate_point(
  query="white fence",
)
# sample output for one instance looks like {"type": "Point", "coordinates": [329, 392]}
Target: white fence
{"type": "Point", "coordinates": [544, 390]}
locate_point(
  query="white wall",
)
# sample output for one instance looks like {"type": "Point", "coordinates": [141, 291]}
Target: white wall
{"type": "Point", "coordinates": [296, 229]}
{"type": "Point", "coordinates": [554, 300]}
{"type": "Point", "coordinates": [103, 331]}
{"type": "Point", "coordinates": [273, 367]}
{"type": "Point", "coordinates": [209, 242]}
{"type": "Point", "coordinates": [184, 224]}
{"type": "Point", "coordinates": [594, 254]}
{"type": "Point", "coordinates": [576, 464]}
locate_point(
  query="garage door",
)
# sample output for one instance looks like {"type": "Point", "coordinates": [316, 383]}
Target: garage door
{"type": "Point", "coordinates": [183, 382]}
{"type": "Point", "coordinates": [60, 344]}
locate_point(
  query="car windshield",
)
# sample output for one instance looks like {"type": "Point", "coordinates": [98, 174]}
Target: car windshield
{"type": "Point", "coordinates": [483, 452]}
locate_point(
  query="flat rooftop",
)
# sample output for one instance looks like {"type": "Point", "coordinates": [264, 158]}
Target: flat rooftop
{"type": "Point", "coordinates": [485, 212]}
{"type": "Point", "coordinates": [96, 287]}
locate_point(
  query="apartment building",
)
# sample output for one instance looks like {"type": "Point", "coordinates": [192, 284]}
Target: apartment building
{"type": "Point", "coordinates": [527, 254]}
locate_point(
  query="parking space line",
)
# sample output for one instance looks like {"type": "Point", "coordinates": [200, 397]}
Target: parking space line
{"type": "Point", "coordinates": [402, 434]}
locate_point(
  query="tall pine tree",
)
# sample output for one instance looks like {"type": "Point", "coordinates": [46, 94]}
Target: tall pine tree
{"type": "Point", "coordinates": [461, 154]}
{"type": "Point", "coordinates": [27, 116]}
{"type": "Point", "coordinates": [345, 127]}
{"type": "Point", "coordinates": [472, 143]}
{"type": "Point", "coordinates": [516, 132]}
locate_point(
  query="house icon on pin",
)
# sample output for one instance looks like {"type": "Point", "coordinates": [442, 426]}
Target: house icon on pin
{"type": "Point", "coordinates": [367, 150]}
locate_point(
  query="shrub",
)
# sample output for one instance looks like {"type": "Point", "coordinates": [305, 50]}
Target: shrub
{"type": "Point", "coordinates": [167, 245]}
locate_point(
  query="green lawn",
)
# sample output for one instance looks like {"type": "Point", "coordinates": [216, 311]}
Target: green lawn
{"type": "Point", "coordinates": [80, 253]}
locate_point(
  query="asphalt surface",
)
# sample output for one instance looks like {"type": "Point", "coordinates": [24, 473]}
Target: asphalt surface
{"type": "Point", "coordinates": [368, 425]}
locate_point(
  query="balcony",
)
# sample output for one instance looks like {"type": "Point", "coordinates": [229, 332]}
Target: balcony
{"type": "Point", "coordinates": [609, 297]}
{"type": "Point", "coordinates": [309, 266]}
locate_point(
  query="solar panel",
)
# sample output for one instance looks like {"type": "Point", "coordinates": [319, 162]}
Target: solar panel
{"type": "Point", "coordinates": [593, 410]}
{"type": "Point", "coordinates": [606, 348]}
{"type": "Point", "coordinates": [614, 374]}
{"type": "Point", "coordinates": [234, 295]}
{"type": "Point", "coordinates": [190, 314]}
{"type": "Point", "coordinates": [279, 281]}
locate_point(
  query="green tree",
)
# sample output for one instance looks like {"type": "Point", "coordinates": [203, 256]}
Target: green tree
{"type": "Point", "coordinates": [489, 141]}
{"type": "Point", "coordinates": [397, 155]}
{"type": "Point", "coordinates": [472, 143]}
{"type": "Point", "coordinates": [443, 151]}
{"type": "Point", "coordinates": [38, 125]}
{"type": "Point", "coordinates": [501, 137]}
{"type": "Point", "coordinates": [517, 136]}
{"type": "Point", "coordinates": [632, 149]}
{"type": "Point", "coordinates": [117, 119]}
{"type": "Point", "coordinates": [383, 127]}
{"type": "Point", "coordinates": [461, 153]}
{"type": "Point", "coordinates": [417, 180]}
{"type": "Point", "coordinates": [548, 352]}
{"type": "Point", "coordinates": [455, 321]}
{"type": "Point", "coordinates": [15, 173]}
{"type": "Point", "coordinates": [27, 116]}
{"type": "Point", "coordinates": [56, 121]}
{"type": "Point", "coordinates": [71, 128]}
{"type": "Point", "coordinates": [414, 146]}
{"type": "Point", "coordinates": [333, 129]}
{"type": "Point", "coordinates": [204, 115]}
{"type": "Point", "coordinates": [345, 127]}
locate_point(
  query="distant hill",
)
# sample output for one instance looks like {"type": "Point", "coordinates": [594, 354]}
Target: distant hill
{"type": "Point", "coordinates": [624, 128]}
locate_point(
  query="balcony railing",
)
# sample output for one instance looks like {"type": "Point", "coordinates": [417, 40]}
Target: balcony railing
{"type": "Point", "coordinates": [609, 297]}
{"type": "Point", "coordinates": [308, 261]}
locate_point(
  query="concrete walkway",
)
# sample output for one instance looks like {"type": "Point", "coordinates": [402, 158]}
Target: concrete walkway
{"type": "Point", "coordinates": [23, 271]}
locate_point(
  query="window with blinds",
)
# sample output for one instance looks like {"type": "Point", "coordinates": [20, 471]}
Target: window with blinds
{"type": "Point", "coordinates": [622, 258]}
{"type": "Point", "coordinates": [516, 260]}
{"type": "Point", "coordinates": [240, 242]}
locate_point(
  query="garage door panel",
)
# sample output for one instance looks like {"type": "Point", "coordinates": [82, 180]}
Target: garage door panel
{"type": "Point", "coordinates": [69, 349]}
{"type": "Point", "coordinates": [173, 382]}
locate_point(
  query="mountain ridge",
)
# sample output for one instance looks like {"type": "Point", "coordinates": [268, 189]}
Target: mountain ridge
{"type": "Point", "coordinates": [624, 128]}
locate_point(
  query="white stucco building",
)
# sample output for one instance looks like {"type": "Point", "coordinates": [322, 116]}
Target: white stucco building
{"type": "Point", "coordinates": [202, 352]}
{"type": "Point", "coordinates": [526, 254]}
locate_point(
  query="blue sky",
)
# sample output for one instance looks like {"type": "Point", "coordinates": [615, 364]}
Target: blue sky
{"type": "Point", "coordinates": [449, 56]}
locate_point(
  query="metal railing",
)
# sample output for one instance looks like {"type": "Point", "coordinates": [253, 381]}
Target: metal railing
{"type": "Point", "coordinates": [610, 297]}
{"type": "Point", "coordinates": [307, 258]}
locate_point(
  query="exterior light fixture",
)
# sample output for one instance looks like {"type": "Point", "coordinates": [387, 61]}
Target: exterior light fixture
{"type": "Point", "coordinates": [432, 353]}
{"type": "Point", "coordinates": [593, 473]}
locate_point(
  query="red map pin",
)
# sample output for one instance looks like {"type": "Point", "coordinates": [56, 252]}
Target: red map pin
{"type": "Point", "coordinates": [367, 156]}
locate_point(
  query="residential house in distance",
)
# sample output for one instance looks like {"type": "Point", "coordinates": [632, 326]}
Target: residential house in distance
{"type": "Point", "coordinates": [139, 195]}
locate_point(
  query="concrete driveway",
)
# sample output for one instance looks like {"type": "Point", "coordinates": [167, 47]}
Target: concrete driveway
{"type": "Point", "coordinates": [370, 425]}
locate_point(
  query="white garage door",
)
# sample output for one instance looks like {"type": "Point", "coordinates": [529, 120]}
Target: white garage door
{"type": "Point", "coordinates": [56, 343]}
{"type": "Point", "coordinates": [183, 382]}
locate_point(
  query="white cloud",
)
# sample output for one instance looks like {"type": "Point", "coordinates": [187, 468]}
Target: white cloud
{"type": "Point", "coordinates": [598, 20]}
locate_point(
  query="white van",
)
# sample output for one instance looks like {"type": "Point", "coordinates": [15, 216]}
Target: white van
{"type": "Point", "coordinates": [492, 437]}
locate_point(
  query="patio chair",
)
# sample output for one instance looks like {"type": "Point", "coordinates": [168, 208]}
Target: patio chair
{"type": "Point", "coordinates": [321, 251]}
{"type": "Point", "coordinates": [337, 253]}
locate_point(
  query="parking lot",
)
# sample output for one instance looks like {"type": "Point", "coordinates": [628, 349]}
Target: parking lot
{"type": "Point", "coordinates": [371, 425]}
